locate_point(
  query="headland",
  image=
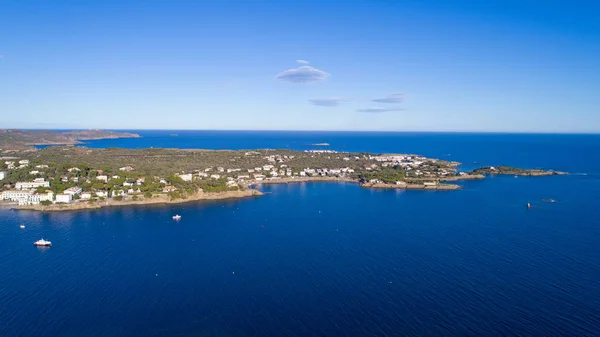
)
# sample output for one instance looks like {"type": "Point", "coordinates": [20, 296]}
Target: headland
{"type": "Point", "coordinates": [65, 178]}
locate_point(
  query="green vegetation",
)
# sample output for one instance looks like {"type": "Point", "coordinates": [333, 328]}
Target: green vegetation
{"type": "Point", "coordinates": [24, 139]}
{"type": "Point", "coordinates": [387, 175]}
{"type": "Point", "coordinates": [15, 175]}
{"type": "Point", "coordinates": [509, 170]}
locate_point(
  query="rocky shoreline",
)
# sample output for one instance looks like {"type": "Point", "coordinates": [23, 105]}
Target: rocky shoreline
{"type": "Point", "coordinates": [292, 180]}
{"type": "Point", "coordinates": [155, 200]}
{"type": "Point", "coordinates": [438, 187]}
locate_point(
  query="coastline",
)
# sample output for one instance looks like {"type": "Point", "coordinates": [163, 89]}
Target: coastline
{"type": "Point", "coordinates": [464, 177]}
{"type": "Point", "coordinates": [438, 187]}
{"type": "Point", "coordinates": [291, 180]}
{"type": "Point", "coordinates": [163, 199]}
{"type": "Point", "coordinates": [408, 186]}
{"type": "Point", "coordinates": [533, 173]}
{"type": "Point", "coordinates": [171, 170]}
{"type": "Point", "coordinates": [156, 200]}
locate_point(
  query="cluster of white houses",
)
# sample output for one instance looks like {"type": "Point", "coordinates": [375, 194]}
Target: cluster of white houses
{"type": "Point", "coordinates": [25, 194]}
{"type": "Point", "coordinates": [414, 165]}
{"type": "Point", "coordinates": [27, 197]}
{"type": "Point", "coordinates": [267, 172]}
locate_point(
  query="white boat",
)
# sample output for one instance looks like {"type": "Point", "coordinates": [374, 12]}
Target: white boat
{"type": "Point", "coordinates": [22, 226]}
{"type": "Point", "coordinates": [176, 217]}
{"type": "Point", "coordinates": [43, 243]}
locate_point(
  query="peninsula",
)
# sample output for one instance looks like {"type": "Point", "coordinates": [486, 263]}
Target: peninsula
{"type": "Point", "coordinates": [75, 177]}
{"type": "Point", "coordinates": [11, 139]}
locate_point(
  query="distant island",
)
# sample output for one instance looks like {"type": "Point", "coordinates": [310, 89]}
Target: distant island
{"type": "Point", "coordinates": [11, 139]}
{"type": "Point", "coordinates": [60, 178]}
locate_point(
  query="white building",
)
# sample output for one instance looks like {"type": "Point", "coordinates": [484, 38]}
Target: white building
{"type": "Point", "coordinates": [186, 177]}
{"type": "Point", "coordinates": [215, 176]}
{"type": "Point", "coordinates": [15, 195]}
{"type": "Point", "coordinates": [86, 195]}
{"type": "Point", "coordinates": [126, 169]}
{"type": "Point", "coordinates": [103, 178]}
{"type": "Point", "coordinates": [231, 183]}
{"type": "Point", "coordinates": [35, 199]}
{"type": "Point", "coordinates": [2, 175]}
{"type": "Point", "coordinates": [101, 194]}
{"type": "Point", "coordinates": [26, 197]}
{"type": "Point", "coordinates": [24, 162]}
{"type": "Point", "coordinates": [73, 190]}
{"type": "Point", "coordinates": [63, 198]}
{"type": "Point", "coordinates": [33, 184]}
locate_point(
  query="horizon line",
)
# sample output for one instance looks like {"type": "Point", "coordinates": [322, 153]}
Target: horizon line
{"type": "Point", "coordinates": [322, 130]}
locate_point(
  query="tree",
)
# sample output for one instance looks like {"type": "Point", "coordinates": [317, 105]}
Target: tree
{"type": "Point", "coordinates": [45, 202]}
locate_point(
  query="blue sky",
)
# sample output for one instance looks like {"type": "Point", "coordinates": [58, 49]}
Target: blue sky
{"type": "Point", "coordinates": [499, 66]}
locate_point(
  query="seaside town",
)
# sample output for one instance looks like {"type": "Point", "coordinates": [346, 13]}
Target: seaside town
{"type": "Point", "coordinates": [37, 181]}
{"type": "Point", "coordinates": [75, 175]}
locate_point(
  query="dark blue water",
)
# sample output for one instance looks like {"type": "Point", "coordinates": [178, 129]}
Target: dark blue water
{"type": "Point", "coordinates": [558, 151]}
{"type": "Point", "coordinates": [323, 259]}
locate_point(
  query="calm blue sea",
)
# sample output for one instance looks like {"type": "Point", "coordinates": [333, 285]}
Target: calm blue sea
{"type": "Point", "coordinates": [325, 259]}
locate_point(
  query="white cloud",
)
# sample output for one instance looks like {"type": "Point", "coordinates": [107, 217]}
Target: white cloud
{"type": "Point", "coordinates": [328, 101]}
{"type": "Point", "coordinates": [391, 98]}
{"type": "Point", "coordinates": [379, 110]}
{"type": "Point", "coordinates": [302, 62]}
{"type": "Point", "coordinates": [304, 74]}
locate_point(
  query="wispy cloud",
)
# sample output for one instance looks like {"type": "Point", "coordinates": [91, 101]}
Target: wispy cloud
{"type": "Point", "coordinates": [328, 101]}
{"type": "Point", "coordinates": [378, 110]}
{"type": "Point", "coordinates": [304, 74]}
{"type": "Point", "coordinates": [397, 97]}
{"type": "Point", "coordinates": [302, 62]}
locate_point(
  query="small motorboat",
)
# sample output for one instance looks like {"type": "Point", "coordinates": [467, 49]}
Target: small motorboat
{"type": "Point", "coordinates": [22, 226]}
{"type": "Point", "coordinates": [43, 243]}
{"type": "Point", "coordinates": [176, 217]}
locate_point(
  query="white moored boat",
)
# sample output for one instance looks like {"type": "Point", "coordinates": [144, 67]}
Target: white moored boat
{"type": "Point", "coordinates": [43, 243]}
{"type": "Point", "coordinates": [176, 217]}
